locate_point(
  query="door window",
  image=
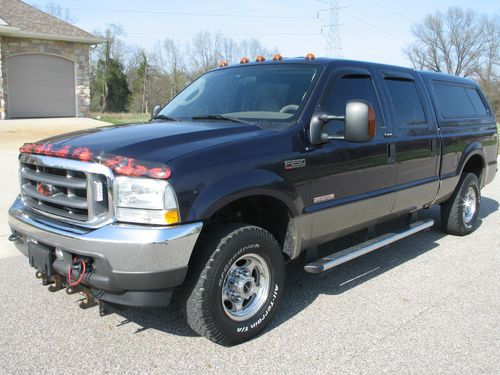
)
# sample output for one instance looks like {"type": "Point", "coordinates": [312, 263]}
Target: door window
{"type": "Point", "coordinates": [350, 87]}
{"type": "Point", "coordinates": [406, 102]}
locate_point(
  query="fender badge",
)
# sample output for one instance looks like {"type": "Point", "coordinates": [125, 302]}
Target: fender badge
{"type": "Point", "coordinates": [324, 198]}
{"type": "Point", "coordinates": [294, 164]}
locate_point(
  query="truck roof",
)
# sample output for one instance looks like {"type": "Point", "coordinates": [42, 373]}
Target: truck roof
{"type": "Point", "coordinates": [427, 75]}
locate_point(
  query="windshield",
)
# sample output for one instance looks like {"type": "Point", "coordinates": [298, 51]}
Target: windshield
{"type": "Point", "coordinates": [260, 94]}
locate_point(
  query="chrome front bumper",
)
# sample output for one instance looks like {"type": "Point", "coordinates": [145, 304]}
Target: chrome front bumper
{"type": "Point", "coordinates": [125, 257]}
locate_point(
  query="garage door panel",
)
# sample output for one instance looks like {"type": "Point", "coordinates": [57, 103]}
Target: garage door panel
{"type": "Point", "coordinates": [40, 86]}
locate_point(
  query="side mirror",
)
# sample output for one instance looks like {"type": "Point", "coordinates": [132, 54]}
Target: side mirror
{"type": "Point", "coordinates": [359, 124]}
{"type": "Point", "coordinates": [155, 111]}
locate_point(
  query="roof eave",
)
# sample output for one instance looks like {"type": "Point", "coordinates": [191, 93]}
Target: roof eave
{"type": "Point", "coordinates": [17, 33]}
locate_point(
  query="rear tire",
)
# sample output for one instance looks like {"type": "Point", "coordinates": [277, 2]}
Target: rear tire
{"type": "Point", "coordinates": [459, 213]}
{"type": "Point", "coordinates": [237, 285]}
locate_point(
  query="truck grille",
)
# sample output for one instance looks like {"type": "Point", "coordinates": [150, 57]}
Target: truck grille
{"type": "Point", "coordinates": [67, 190]}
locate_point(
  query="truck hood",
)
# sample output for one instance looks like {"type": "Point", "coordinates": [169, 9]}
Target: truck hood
{"type": "Point", "coordinates": [158, 142]}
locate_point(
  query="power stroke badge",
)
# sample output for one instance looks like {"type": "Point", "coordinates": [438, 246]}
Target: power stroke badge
{"type": "Point", "coordinates": [294, 164]}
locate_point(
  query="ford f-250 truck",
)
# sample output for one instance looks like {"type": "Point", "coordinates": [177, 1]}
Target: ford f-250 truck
{"type": "Point", "coordinates": [248, 167]}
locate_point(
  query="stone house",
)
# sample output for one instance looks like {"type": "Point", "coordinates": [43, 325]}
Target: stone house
{"type": "Point", "coordinates": [44, 64]}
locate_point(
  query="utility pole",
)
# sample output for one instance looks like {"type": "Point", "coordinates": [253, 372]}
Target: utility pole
{"type": "Point", "coordinates": [331, 28]}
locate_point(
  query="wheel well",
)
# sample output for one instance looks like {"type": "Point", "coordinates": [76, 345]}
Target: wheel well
{"type": "Point", "coordinates": [474, 165]}
{"type": "Point", "coordinates": [262, 211]}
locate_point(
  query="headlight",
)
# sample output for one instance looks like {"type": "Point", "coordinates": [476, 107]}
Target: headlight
{"type": "Point", "coordinates": [145, 200]}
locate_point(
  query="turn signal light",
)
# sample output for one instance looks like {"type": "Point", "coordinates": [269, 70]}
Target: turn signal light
{"type": "Point", "coordinates": [244, 60]}
{"type": "Point", "coordinates": [277, 57]}
{"type": "Point", "coordinates": [171, 217]}
{"type": "Point", "coordinates": [371, 122]}
{"type": "Point", "coordinates": [260, 58]}
{"type": "Point", "coordinates": [310, 56]}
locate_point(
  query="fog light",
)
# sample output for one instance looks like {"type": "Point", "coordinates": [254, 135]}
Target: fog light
{"type": "Point", "coordinates": [59, 254]}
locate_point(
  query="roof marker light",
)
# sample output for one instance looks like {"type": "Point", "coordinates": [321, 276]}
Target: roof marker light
{"type": "Point", "coordinates": [277, 57]}
{"type": "Point", "coordinates": [260, 58]}
{"type": "Point", "coordinates": [310, 56]}
{"type": "Point", "coordinates": [223, 63]}
{"type": "Point", "coordinates": [244, 60]}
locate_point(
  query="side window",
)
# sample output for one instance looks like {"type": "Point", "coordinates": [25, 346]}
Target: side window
{"type": "Point", "coordinates": [406, 102]}
{"type": "Point", "coordinates": [350, 87]}
{"type": "Point", "coordinates": [477, 102]}
{"type": "Point", "coordinates": [457, 101]}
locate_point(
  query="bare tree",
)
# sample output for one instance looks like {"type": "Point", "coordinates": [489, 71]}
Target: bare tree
{"type": "Point", "coordinates": [175, 64]}
{"type": "Point", "coordinates": [453, 42]}
{"type": "Point", "coordinates": [230, 50]}
{"type": "Point", "coordinates": [54, 9]}
{"type": "Point", "coordinates": [253, 47]}
{"type": "Point", "coordinates": [205, 50]}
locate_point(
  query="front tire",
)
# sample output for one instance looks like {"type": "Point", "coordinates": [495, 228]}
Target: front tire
{"type": "Point", "coordinates": [237, 289]}
{"type": "Point", "coordinates": [459, 213]}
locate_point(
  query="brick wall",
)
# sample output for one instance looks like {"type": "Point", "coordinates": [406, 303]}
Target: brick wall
{"type": "Point", "coordinates": [77, 52]}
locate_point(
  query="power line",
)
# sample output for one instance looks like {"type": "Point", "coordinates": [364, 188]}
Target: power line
{"type": "Point", "coordinates": [373, 26]}
{"type": "Point", "coordinates": [190, 14]}
{"type": "Point", "coordinates": [333, 41]}
{"type": "Point", "coordinates": [229, 34]}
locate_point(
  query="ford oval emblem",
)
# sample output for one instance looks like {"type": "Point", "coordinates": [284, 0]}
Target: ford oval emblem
{"type": "Point", "coordinates": [46, 190]}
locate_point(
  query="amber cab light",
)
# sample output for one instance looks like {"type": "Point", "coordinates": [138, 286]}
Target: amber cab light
{"type": "Point", "coordinates": [277, 57]}
{"type": "Point", "coordinates": [260, 58]}
{"type": "Point", "coordinates": [222, 64]}
{"type": "Point", "coordinates": [310, 56]}
{"type": "Point", "coordinates": [244, 60]}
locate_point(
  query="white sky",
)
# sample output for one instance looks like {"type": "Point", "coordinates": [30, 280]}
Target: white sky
{"type": "Point", "coordinates": [373, 30]}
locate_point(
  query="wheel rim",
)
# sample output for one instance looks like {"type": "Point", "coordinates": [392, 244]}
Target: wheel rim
{"type": "Point", "coordinates": [469, 205]}
{"type": "Point", "coordinates": [246, 287]}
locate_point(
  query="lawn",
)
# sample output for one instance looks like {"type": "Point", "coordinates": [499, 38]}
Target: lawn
{"type": "Point", "coordinates": [121, 118]}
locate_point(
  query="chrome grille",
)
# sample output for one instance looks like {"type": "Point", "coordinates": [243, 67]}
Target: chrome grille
{"type": "Point", "coordinates": [68, 190]}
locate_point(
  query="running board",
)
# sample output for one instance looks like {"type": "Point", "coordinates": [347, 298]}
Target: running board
{"type": "Point", "coordinates": [355, 251]}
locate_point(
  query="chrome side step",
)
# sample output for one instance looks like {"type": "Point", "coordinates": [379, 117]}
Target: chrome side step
{"type": "Point", "coordinates": [355, 251]}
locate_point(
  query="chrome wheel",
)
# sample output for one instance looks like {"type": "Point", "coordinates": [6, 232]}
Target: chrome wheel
{"type": "Point", "coordinates": [469, 205]}
{"type": "Point", "coordinates": [246, 287]}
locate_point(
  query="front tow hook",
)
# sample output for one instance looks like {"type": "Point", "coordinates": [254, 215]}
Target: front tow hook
{"type": "Point", "coordinates": [14, 237]}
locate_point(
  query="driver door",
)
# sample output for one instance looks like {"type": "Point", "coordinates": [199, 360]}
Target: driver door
{"type": "Point", "coordinates": [351, 183]}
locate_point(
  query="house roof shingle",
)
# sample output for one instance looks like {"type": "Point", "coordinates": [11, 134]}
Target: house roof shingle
{"type": "Point", "coordinates": [23, 20]}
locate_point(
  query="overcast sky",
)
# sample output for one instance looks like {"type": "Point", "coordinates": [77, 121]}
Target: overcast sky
{"type": "Point", "coordinates": [373, 30]}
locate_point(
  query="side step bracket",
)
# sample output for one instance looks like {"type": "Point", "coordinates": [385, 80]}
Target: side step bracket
{"type": "Point", "coordinates": [355, 251]}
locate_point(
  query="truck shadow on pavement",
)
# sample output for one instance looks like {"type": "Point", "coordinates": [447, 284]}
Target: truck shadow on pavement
{"type": "Point", "coordinates": [303, 288]}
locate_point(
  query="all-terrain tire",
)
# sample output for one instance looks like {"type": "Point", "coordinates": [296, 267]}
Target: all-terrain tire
{"type": "Point", "coordinates": [222, 251]}
{"type": "Point", "coordinates": [459, 213]}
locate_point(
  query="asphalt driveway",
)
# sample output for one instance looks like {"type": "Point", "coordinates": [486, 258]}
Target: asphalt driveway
{"type": "Point", "coordinates": [427, 304]}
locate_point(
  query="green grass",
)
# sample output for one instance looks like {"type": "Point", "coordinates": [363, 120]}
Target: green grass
{"type": "Point", "coordinates": [120, 118]}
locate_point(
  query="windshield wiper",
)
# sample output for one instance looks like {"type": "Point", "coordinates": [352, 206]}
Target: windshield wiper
{"type": "Point", "coordinates": [218, 117]}
{"type": "Point", "coordinates": [163, 117]}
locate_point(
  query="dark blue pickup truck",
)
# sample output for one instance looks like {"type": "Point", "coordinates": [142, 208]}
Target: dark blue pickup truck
{"type": "Point", "coordinates": [247, 168]}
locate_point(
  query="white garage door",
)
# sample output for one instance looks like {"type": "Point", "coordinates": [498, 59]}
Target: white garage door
{"type": "Point", "coordinates": [40, 86]}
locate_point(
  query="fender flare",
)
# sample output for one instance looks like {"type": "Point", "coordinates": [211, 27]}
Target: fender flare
{"type": "Point", "coordinates": [239, 185]}
{"type": "Point", "coordinates": [473, 149]}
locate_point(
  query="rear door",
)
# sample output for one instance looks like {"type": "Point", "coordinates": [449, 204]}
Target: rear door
{"type": "Point", "coordinates": [416, 139]}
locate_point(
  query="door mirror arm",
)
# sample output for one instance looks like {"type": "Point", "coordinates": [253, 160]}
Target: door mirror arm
{"type": "Point", "coordinates": [359, 124]}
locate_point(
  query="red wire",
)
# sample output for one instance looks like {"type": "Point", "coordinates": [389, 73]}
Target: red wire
{"type": "Point", "coordinates": [80, 278]}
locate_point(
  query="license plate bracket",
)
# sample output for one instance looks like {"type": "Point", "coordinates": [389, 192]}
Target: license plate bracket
{"type": "Point", "coordinates": [41, 258]}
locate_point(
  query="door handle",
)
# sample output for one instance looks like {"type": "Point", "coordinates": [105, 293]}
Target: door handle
{"type": "Point", "coordinates": [391, 153]}
{"type": "Point", "coordinates": [433, 146]}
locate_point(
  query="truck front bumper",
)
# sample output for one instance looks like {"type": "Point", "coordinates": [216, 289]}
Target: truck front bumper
{"type": "Point", "coordinates": [131, 264]}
